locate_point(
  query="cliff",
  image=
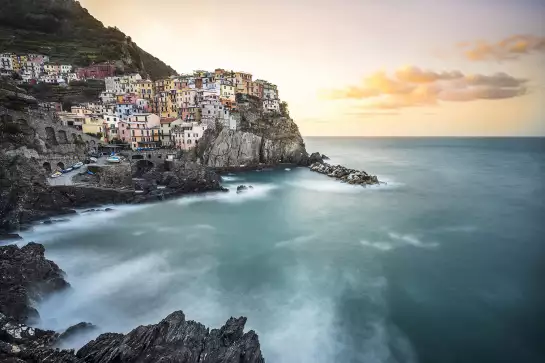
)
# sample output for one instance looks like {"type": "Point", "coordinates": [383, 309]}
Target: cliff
{"type": "Point", "coordinates": [65, 31]}
{"type": "Point", "coordinates": [261, 138]}
{"type": "Point", "coordinates": [27, 277]}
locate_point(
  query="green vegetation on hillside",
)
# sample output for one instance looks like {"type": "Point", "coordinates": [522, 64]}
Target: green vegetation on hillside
{"type": "Point", "coordinates": [66, 32]}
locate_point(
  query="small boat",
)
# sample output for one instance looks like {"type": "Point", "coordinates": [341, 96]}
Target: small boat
{"type": "Point", "coordinates": [56, 174]}
{"type": "Point", "coordinates": [113, 159]}
{"type": "Point", "coordinates": [67, 170]}
{"type": "Point", "coordinates": [77, 165]}
{"type": "Point", "coordinates": [93, 160]}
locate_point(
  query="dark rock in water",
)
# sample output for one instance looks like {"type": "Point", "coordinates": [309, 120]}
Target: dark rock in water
{"type": "Point", "coordinates": [9, 236]}
{"type": "Point", "coordinates": [350, 176]}
{"type": "Point", "coordinates": [176, 340]}
{"type": "Point", "coordinates": [242, 188]}
{"type": "Point", "coordinates": [89, 211]}
{"type": "Point", "coordinates": [75, 330]}
{"type": "Point", "coordinates": [315, 158]}
{"type": "Point", "coordinates": [108, 210]}
{"type": "Point", "coordinates": [27, 276]}
{"type": "Point", "coordinates": [325, 157]}
{"type": "Point", "coordinates": [49, 221]}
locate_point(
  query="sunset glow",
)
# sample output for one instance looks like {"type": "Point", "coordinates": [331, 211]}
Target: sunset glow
{"type": "Point", "coordinates": [363, 68]}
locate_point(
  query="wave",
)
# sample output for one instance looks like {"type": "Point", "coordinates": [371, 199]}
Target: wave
{"type": "Point", "coordinates": [231, 178]}
{"type": "Point", "coordinates": [79, 222]}
{"type": "Point", "coordinates": [259, 191]}
{"type": "Point", "coordinates": [397, 240]}
{"type": "Point", "coordinates": [297, 241]}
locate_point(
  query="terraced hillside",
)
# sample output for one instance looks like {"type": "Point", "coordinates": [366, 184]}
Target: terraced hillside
{"type": "Point", "coordinates": [66, 32]}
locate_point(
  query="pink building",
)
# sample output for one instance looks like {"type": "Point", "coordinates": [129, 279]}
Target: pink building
{"type": "Point", "coordinates": [97, 71]}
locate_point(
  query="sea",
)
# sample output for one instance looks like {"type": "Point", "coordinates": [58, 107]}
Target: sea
{"type": "Point", "coordinates": [443, 262]}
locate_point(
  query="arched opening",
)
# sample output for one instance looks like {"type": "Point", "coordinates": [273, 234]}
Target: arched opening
{"type": "Point", "coordinates": [141, 167]}
{"type": "Point", "coordinates": [138, 157]}
{"type": "Point", "coordinates": [50, 136]}
{"type": "Point", "coordinates": [47, 167]}
{"type": "Point", "coordinates": [62, 137]}
{"type": "Point", "coordinates": [60, 165]}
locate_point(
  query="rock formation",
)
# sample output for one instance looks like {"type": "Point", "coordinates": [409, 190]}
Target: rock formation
{"type": "Point", "coordinates": [350, 176]}
{"type": "Point", "coordinates": [261, 138]}
{"type": "Point", "coordinates": [27, 277]}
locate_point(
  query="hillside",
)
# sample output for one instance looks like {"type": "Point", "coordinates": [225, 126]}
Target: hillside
{"type": "Point", "coordinates": [65, 31]}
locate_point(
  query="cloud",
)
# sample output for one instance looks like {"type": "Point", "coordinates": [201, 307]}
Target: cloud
{"type": "Point", "coordinates": [413, 87]}
{"type": "Point", "coordinates": [506, 49]}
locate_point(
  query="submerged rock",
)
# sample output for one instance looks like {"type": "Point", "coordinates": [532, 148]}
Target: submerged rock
{"type": "Point", "coordinates": [350, 176]}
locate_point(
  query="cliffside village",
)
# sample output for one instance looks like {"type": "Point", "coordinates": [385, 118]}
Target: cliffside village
{"type": "Point", "coordinates": [143, 114]}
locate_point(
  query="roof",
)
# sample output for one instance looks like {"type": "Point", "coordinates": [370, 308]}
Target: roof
{"type": "Point", "coordinates": [168, 120]}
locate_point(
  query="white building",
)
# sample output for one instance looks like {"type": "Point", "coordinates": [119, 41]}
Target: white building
{"type": "Point", "coordinates": [6, 62]}
{"type": "Point", "coordinates": [187, 135]}
{"type": "Point", "coordinates": [65, 68]}
{"type": "Point", "coordinates": [271, 105]}
{"type": "Point", "coordinates": [107, 97]}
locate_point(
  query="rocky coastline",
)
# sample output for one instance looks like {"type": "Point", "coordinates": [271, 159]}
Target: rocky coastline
{"type": "Point", "coordinates": [344, 174]}
{"type": "Point", "coordinates": [28, 277]}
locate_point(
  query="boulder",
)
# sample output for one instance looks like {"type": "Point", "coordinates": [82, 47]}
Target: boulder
{"type": "Point", "coordinates": [76, 329]}
{"type": "Point", "coordinates": [242, 188]}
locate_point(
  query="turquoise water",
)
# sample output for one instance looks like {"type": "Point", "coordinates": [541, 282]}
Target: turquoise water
{"type": "Point", "coordinates": [443, 264]}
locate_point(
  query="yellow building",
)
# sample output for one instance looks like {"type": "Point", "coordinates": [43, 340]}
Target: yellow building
{"type": "Point", "coordinates": [146, 89]}
{"type": "Point", "coordinates": [227, 92]}
{"type": "Point", "coordinates": [166, 106]}
{"type": "Point", "coordinates": [243, 82]}
{"type": "Point", "coordinates": [93, 124]}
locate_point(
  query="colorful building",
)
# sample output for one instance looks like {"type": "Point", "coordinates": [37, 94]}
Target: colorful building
{"type": "Point", "coordinates": [96, 71]}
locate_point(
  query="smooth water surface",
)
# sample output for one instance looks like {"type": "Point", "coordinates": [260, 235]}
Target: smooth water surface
{"type": "Point", "coordinates": [443, 264]}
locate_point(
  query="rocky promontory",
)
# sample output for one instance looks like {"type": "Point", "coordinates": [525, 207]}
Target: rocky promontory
{"type": "Point", "coordinates": [262, 138]}
{"type": "Point", "coordinates": [28, 277]}
{"type": "Point", "coordinates": [350, 176]}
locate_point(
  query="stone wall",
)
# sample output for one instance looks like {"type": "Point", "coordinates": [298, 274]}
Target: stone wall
{"type": "Point", "coordinates": [53, 142]}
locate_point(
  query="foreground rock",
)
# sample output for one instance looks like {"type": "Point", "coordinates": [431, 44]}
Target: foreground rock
{"type": "Point", "coordinates": [350, 176]}
{"type": "Point", "coordinates": [26, 277]}
{"type": "Point", "coordinates": [176, 339]}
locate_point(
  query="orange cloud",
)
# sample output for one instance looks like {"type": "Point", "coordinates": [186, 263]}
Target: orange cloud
{"type": "Point", "coordinates": [507, 49]}
{"type": "Point", "coordinates": [413, 87]}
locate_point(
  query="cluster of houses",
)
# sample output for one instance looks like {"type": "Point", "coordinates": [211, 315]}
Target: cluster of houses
{"type": "Point", "coordinates": [36, 68]}
{"type": "Point", "coordinates": [172, 112]}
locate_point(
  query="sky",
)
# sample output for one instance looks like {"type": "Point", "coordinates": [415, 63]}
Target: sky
{"type": "Point", "coordinates": [363, 67]}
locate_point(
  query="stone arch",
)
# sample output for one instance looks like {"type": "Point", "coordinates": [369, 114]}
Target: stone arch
{"type": "Point", "coordinates": [60, 165]}
{"type": "Point", "coordinates": [138, 157]}
{"type": "Point", "coordinates": [74, 138]}
{"type": "Point", "coordinates": [62, 137]}
{"type": "Point", "coordinates": [47, 167]}
{"type": "Point", "coordinates": [50, 136]}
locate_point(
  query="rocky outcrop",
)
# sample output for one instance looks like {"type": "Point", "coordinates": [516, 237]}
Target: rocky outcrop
{"type": "Point", "coordinates": [175, 178]}
{"type": "Point", "coordinates": [26, 277]}
{"type": "Point", "coordinates": [176, 339]}
{"type": "Point", "coordinates": [350, 176]}
{"type": "Point", "coordinates": [261, 139]}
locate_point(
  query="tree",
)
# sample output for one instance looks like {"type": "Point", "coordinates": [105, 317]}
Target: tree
{"type": "Point", "coordinates": [284, 109]}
